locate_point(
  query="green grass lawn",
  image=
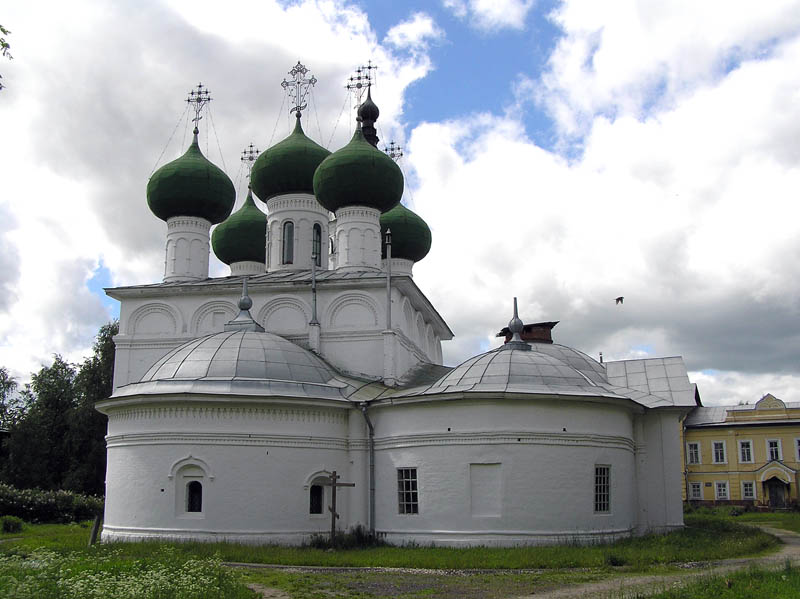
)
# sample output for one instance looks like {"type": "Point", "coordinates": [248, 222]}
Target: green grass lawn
{"type": "Point", "coordinates": [775, 584]}
{"type": "Point", "coordinates": [786, 520]}
{"type": "Point", "coordinates": [56, 558]}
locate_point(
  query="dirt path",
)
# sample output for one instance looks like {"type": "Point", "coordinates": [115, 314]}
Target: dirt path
{"type": "Point", "coordinates": [642, 586]}
{"type": "Point", "coordinates": [618, 588]}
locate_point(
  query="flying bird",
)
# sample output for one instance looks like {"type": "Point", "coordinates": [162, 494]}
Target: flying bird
{"type": "Point", "coordinates": [619, 300]}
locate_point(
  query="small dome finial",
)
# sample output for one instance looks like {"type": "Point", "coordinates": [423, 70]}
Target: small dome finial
{"type": "Point", "coordinates": [516, 327]}
{"type": "Point", "coordinates": [244, 320]}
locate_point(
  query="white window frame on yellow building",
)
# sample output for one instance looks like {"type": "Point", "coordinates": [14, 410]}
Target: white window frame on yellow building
{"type": "Point", "coordinates": [769, 453]}
{"type": "Point", "coordinates": [754, 497]}
{"type": "Point", "coordinates": [714, 452]}
{"type": "Point", "coordinates": [692, 496]}
{"type": "Point", "coordinates": [689, 453]}
{"type": "Point", "coordinates": [717, 496]}
{"type": "Point", "coordinates": [797, 448]}
{"type": "Point", "coordinates": [749, 450]}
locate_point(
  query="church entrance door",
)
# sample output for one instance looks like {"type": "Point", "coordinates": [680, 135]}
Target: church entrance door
{"type": "Point", "coordinates": [776, 490]}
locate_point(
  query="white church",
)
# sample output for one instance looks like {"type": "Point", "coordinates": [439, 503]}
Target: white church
{"type": "Point", "coordinates": [235, 398]}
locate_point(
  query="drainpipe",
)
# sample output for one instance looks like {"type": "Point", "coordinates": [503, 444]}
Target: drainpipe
{"type": "Point", "coordinates": [371, 448]}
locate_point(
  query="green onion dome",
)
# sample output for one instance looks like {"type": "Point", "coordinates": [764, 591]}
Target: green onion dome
{"type": "Point", "coordinates": [411, 237]}
{"type": "Point", "coordinates": [191, 186]}
{"type": "Point", "coordinates": [358, 175]}
{"type": "Point", "coordinates": [242, 236]}
{"type": "Point", "coordinates": [288, 166]}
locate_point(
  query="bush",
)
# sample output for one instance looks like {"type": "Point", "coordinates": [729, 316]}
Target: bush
{"type": "Point", "coordinates": [356, 537]}
{"type": "Point", "coordinates": [10, 524]}
{"type": "Point", "coordinates": [52, 507]}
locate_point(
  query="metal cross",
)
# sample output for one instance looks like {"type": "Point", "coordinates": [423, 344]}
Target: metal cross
{"type": "Point", "coordinates": [394, 151]}
{"type": "Point", "coordinates": [361, 80]}
{"type": "Point", "coordinates": [199, 97]}
{"type": "Point", "coordinates": [333, 483]}
{"type": "Point", "coordinates": [249, 155]}
{"type": "Point", "coordinates": [298, 87]}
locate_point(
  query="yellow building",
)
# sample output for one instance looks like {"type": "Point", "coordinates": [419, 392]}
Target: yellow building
{"type": "Point", "coordinates": [743, 454]}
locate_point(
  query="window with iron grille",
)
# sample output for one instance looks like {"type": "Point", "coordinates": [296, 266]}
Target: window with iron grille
{"type": "Point", "coordinates": [602, 488]}
{"type": "Point", "coordinates": [407, 493]}
{"type": "Point", "coordinates": [288, 243]}
{"type": "Point", "coordinates": [316, 245]}
{"type": "Point", "coordinates": [694, 453]}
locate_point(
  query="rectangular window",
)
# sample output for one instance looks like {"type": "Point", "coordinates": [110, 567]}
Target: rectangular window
{"type": "Point", "coordinates": [745, 452]}
{"type": "Point", "coordinates": [695, 491]}
{"type": "Point", "coordinates": [797, 445]}
{"type": "Point", "coordinates": [748, 489]}
{"type": "Point", "coordinates": [773, 449]}
{"type": "Point", "coordinates": [693, 453]}
{"type": "Point", "coordinates": [602, 489]}
{"type": "Point", "coordinates": [719, 452]}
{"type": "Point", "coordinates": [721, 489]}
{"type": "Point", "coordinates": [407, 494]}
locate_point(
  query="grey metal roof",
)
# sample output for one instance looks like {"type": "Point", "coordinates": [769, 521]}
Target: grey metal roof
{"type": "Point", "coordinates": [241, 362]}
{"type": "Point", "coordinates": [716, 415]}
{"type": "Point", "coordinates": [552, 370]}
{"type": "Point", "coordinates": [666, 378]}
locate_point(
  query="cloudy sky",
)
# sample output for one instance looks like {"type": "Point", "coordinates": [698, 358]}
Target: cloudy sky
{"type": "Point", "coordinates": [566, 152]}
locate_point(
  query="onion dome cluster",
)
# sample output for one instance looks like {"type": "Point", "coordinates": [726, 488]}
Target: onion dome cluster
{"type": "Point", "coordinates": [288, 166]}
{"type": "Point", "coordinates": [358, 175]}
{"type": "Point", "coordinates": [411, 236]}
{"type": "Point", "coordinates": [191, 186]}
{"type": "Point", "coordinates": [241, 238]}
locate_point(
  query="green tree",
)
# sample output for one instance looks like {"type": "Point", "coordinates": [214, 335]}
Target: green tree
{"type": "Point", "coordinates": [9, 403]}
{"type": "Point", "coordinates": [5, 48]}
{"type": "Point", "coordinates": [56, 438]}
{"type": "Point", "coordinates": [36, 455]}
{"type": "Point", "coordinates": [87, 426]}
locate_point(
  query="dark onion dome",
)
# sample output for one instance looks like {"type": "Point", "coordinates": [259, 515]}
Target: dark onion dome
{"type": "Point", "coordinates": [288, 166]}
{"type": "Point", "coordinates": [242, 236]}
{"type": "Point", "coordinates": [358, 175]}
{"type": "Point", "coordinates": [411, 237]}
{"type": "Point", "coordinates": [368, 111]}
{"type": "Point", "coordinates": [191, 186]}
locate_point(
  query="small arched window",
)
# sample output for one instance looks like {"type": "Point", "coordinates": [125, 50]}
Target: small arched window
{"type": "Point", "coordinates": [316, 245]}
{"type": "Point", "coordinates": [315, 496]}
{"type": "Point", "coordinates": [288, 242]}
{"type": "Point", "coordinates": [194, 496]}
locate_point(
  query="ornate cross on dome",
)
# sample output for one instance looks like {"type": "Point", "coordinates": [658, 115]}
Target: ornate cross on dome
{"type": "Point", "coordinates": [298, 87]}
{"type": "Point", "coordinates": [394, 151]}
{"type": "Point", "coordinates": [361, 80]}
{"type": "Point", "coordinates": [249, 155]}
{"type": "Point", "coordinates": [199, 97]}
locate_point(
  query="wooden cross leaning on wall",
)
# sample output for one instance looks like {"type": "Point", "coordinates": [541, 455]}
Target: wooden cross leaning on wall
{"type": "Point", "coordinates": [333, 483]}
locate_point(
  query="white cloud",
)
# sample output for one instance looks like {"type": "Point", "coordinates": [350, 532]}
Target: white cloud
{"type": "Point", "coordinates": [491, 15]}
{"type": "Point", "coordinates": [622, 58]}
{"type": "Point", "coordinates": [414, 34]}
{"type": "Point", "coordinates": [733, 388]}
{"type": "Point", "coordinates": [88, 109]}
{"type": "Point", "coordinates": [689, 212]}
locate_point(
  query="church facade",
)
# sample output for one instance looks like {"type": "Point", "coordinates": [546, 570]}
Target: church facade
{"type": "Point", "coordinates": [235, 398]}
